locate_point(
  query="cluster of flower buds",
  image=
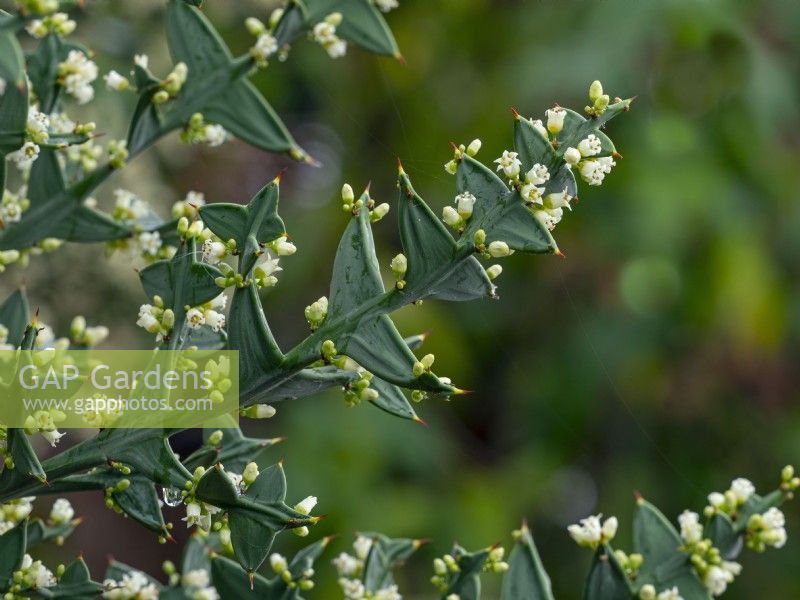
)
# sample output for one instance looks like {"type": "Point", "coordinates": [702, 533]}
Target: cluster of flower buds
{"type": "Point", "coordinates": [352, 206]}
{"type": "Point", "coordinates": [57, 23]}
{"type": "Point", "coordinates": [280, 565]}
{"type": "Point", "coordinates": [266, 44]}
{"type": "Point", "coordinates": [738, 493]}
{"type": "Point", "coordinates": [495, 249]}
{"type": "Point", "coordinates": [316, 312]}
{"type": "Point", "coordinates": [324, 33]}
{"type": "Point", "coordinates": [85, 155]}
{"type": "Point", "coordinates": [117, 151]}
{"type": "Point", "coordinates": [424, 365]}
{"type": "Point", "coordinates": [598, 100]}
{"type": "Point", "coordinates": [359, 390]}
{"type": "Point", "coordinates": [715, 572]}
{"type": "Point", "coordinates": [197, 583]}
{"type": "Point", "coordinates": [630, 563]}
{"type": "Point", "coordinates": [156, 319]}
{"type": "Point", "coordinates": [189, 206]}
{"type": "Point", "coordinates": [8, 257]}
{"type": "Point", "coordinates": [304, 507]}
{"type": "Point", "coordinates": [198, 131]}
{"type": "Point", "coordinates": [110, 492]}
{"type": "Point", "coordinates": [218, 373]}
{"type": "Point", "coordinates": [171, 85]}
{"type": "Point", "coordinates": [81, 335]}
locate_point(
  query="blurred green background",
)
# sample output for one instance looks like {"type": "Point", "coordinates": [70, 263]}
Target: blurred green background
{"type": "Point", "coordinates": [660, 355]}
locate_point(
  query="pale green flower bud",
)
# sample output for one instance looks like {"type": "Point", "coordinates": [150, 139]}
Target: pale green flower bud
{"type": "Point", "coordinates": [499, 249]}
{"type": "Point", "coordinates": [595, 90]}
{"type": "Point", "coordinates": [474, 147]}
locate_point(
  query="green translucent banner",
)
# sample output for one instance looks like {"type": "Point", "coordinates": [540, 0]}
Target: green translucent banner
{"type": "Point", "coordinates": [45, 389]}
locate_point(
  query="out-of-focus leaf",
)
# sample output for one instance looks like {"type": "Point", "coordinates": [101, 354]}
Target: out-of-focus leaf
{"type": "Point", "coordinates": [40, 532]}
{"type": "Point", "coordinates": [15, 316]}
{"type": "Point", "coordinates": [12, 549]}
{"type": "Point", "coordinates": [526, 577]}
{"type": "Point", "coordinates": [607, 579]}
{"type": "Point", "coordinates": [75, 584]}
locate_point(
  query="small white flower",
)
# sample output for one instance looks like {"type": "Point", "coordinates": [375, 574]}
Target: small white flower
{"type": "Point", "coordinates": [671, 594]}
{"type": "Point", "coordinates": [509, 164]}
{"type": "Point", "coordinates": [538, 126]}
{"type": "Point", "coordinates": [278, 563]}
{"type": "Point", "coordinates": [572, 156]}
{"type": "Point", "coordinates": [306, 505]}
{"type": "Point", "coordinates": [193, 514]}
{"type": "Point", "coordinates": [195, 318]}
{"type": "Point", "coordinates": [337, 49]}
{"type": "Point", "coordinates": [716, 499]}
{"type": "Point", "coordinates": [128, 206]}
{"type": "Point", "coordinates": [346, 564]}
{"type": "Point", "coordinates": [214, 251]}
{"type": "Point", "coordinates": [266, 45]}
{"type": "Point", "coordinates": [282, 247]}
{"type": "Point", "coordinates": [325, 33]}
{"type": "Point", "coordinates": [592, 532]}
{"type": "Point", "coordinates": [149, 242]}
{"type": "Point", "coordinates": [717, 579]}
{"type": "Point", "coordinates": [537, 175]}
{"type": "Point", "coordinates": [531, 193]}
{"type": "Point", "coordinates": [555, 119]}
{"type": "Point", "coordinates": [208, 593]}
{"type": "Point", "coordinates": [590, 145]}
{"type": "Point", "coordinates": [25, 156]}
{"type": "Point", "coordinates": [219, 302]}
{"type": "Point", "coordinates": [691, 528]}
{"type": "Point", "coordinates": [742, 489]}
{"type": "Point", "coordinates": [450, 216]}
{"type": "Point", "coordinates": [386, 5]}
{"type": "Point", "coordinates": [362, 546]}
{"type": "Point", "coordinates": [557, 200]}
{"type": "Point", "coordinates": [214, 319]}
{"type": "Point", "coordinates": [116, 82]}
{"type": "Point", "coordinates": [499, 249]}
{"type": "Point", "coordinates": [215, 135]}
{"type": "Point", "coordinates": [610, 528]}
{"type": "Point", "coordinates": [197, 578]}
{"type": "Point", "coordinates": [775, 531]}
{"type": "Point", "coordinates": [141, 60]}
{"type": "Point", "coordinates": [352, 589]}
{"type": "Point", "coordinates": [52, 436]}
{"type": "Point", "coordinates": [465, 202]}
{"type": "Point", "coordinates": [62, 511]}
{"type": "Point", "coordinates": [2, 86]}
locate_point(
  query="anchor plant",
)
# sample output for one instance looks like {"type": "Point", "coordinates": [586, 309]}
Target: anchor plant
{"type": "Point", "coordinates": [206, 256]}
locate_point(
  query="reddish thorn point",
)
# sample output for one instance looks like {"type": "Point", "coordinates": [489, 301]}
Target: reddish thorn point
{"type": "Point", "coordinates": [421, 542]}
{"type": "Point", "coordinates": [460, 392]}
{"type": "Point", "coordinates": [277, 440]}
{"type": "Point", "coordinates": [280, 462]}
{"type": "Point", "coordinates": [637, 495]}
{"type": "Point", "coordinates": [110, 558]}
{"type": "Point", "coordinates": [171, 539]}
{"type": "Point", "coordinates": [559, 254]}
{"type": "Point", "coordinates": [77, 521]}
{"type": "Point", "coordinates": [515, 112]}
{"type": "Point", "coordinates": [400, 169]}
{"type": "Point", "coordinates": [425, 334]}
{"type": "Point", "coordinates": [328, 539]}
{"type": "Point", "coordinates": [525, 523]}
{"type": "Point", "coordinates": [369, 185]}
{"type": "Point", "coordinates": [280, 174]}
{"type": "Point", "coordinates": [617, 155]}
{"type": "Point", "coordinates": [401, 59]}
{"type": "Point", "coordinates": [251, 578]}
{"type": "Point", "coordinates": [418, 420]}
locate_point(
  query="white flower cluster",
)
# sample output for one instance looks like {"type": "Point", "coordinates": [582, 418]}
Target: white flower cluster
{"type": "Point", "coordinates": [14, 511]}
{"type": "Point", "coordinates": [133, 586]}
{"type": "Point", "coordinates": [116, 82]}
{"type": "Point", "coordinates": [350, 568]}
{"type": "Point", "coordinates": [316, 312]}
{"type": "Point", "coordinates": [128, 206]}
{"type": "Point", "coordinates": [155, 318]}
{"type": "Point", "coordinates": [86, 155]}
{"type": "Point", "coordinates": [76, 75]}
{"type": "Point", "coordinates": [386, 5]}
{"type": "Point", "coordinates": [37, 131]}
{"type": "Point", "coordinates": [12, 207]}
{"type": "Point", "coordinates": [208, 314]}
{"type": "Point", "coordinates": [198, 131]}
{"type": "Point", "coordinates": [45, 422]}
{"type": "Point", "coordinates": [33, 574]}
{"type": "Point", "coordinates": [199, 585]}
{"type": "Point", "coordinates": [592, 531]}
{"type": "Point", "coordinates": [58, 23]}
{"type": "Point", "coordinates": [324, 33]}
{"type": "Point", "coordinates": [767, 529]}
{"type": "Point", "coordinates": [61, 512]}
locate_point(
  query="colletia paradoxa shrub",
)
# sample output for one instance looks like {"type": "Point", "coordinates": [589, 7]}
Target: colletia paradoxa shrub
{"type": "Point", "coordinates": [208, 255]}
